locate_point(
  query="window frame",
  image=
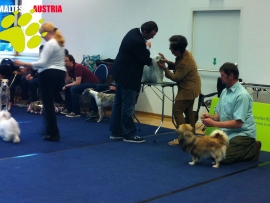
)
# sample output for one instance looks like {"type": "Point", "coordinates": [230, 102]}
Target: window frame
{"type": "Point", "coordinates": [35, 54]}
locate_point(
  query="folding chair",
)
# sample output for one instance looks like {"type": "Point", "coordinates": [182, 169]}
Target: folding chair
{"type": "Point", "coordinates": [102, 73]}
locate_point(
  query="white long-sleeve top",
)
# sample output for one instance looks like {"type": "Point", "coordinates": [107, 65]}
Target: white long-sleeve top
{"type": "Point", "coordinates": [52, 56]}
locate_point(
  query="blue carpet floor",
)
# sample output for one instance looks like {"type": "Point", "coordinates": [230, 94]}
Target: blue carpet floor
{"type": "Point", "coordinates": [99, 170]}
{"type": "Point", "coordinates": [119, 172]}
{"type": "Point", "coordinates": [75, 132]}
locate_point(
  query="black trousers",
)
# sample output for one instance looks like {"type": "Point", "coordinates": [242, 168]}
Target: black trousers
{"type": "Point", "coordinates": [51, 82]}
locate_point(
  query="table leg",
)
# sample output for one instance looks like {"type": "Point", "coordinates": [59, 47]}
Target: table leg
{"type": "Point", "coordinates": [172, 107]}
{"type": "Point", "coordinates": [162, 114]}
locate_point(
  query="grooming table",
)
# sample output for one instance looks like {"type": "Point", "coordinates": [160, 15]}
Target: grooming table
{"type": "Point", "coordinates": [154, 87]}
{"type": "Point", "coordinates": [257, 87]}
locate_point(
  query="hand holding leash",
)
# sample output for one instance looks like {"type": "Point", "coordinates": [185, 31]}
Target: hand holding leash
{"type": "Point", "coordinates": [209, 122]}
{"type": "Point", "coordinates": [205, 115]}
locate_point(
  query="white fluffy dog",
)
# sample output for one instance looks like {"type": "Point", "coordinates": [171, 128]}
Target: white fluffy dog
{"type": "Point", "coordinates": [102, 100]}
{"type": "Point", "coordinates": [153, 73]}
{"type": "Point", "coordinates": [4, 94]}
{"type": "Point", "coordinates": [9, 127]}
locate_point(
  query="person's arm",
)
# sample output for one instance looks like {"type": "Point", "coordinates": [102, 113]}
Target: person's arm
{"type": "Point", "coordinates": [21, 63]}
{"type": "Point", "coordinates": [68, 79]}
{"type": "Point", "coordinates": [76, 82]}
{"type": "Point", "coordinates": [214, 121]}
{"type": "Point", "coordinates": [169, 63]}
{"type": "Point", "coordinates": [142, 53]}
{"type": "Point", "coordinates": [43, 60]}
{"type": "Point", "coordinates": [45, 56]}
{"type": "Point", "coordinates": [214, 117]}
{"type": "Point", "coordinates": [209, 122]}
{"type": "Point", "coordinates": [180, 73]}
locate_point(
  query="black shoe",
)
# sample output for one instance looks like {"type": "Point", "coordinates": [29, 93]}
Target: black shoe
{"type": "Point", "coordinates": [135, 139]}
{"type": "Point", "coordinates": [65, 112]}
{"type": "Point", "coordinates": [43, 133]}
{"type": "Point", "coordinates": [93, 114]}
{"type": "Point", "coordinates": [51, 138]}
{"type": "Point", "coordinates": [116, 137]}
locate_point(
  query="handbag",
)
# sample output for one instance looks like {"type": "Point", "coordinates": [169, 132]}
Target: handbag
{"type": "Point", "coordinates": [90, 61]}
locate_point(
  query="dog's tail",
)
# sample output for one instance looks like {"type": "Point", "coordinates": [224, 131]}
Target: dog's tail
{"type": "Point", "coordinates": [221, 136]}
{"type": "Point", "coordinates": [16, 139]}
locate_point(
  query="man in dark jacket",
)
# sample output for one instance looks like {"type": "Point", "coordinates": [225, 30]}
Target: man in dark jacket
{"type": "Point", "coordinates": [127, 72]}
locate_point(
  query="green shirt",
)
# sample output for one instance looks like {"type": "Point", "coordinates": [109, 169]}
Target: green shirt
{"type": "Point", "coordinates": [236, 104]}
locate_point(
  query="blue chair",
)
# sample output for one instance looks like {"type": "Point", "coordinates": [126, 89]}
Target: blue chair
{"type": "Point", "coordinates": [102, 73]}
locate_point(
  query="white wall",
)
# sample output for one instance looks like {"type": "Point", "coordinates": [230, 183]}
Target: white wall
{"type": "Point", "coordinates": [97, 27]}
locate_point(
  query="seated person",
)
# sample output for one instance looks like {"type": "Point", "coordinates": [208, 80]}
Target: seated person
{"type": "Point", "coordinates": [13, 73]}
{"type": "Point", "coordinates": [108, 89]}
{"type": "Point", "coordinates": [78, 79]}
{"type": "Point", "coordinates": [30, 82]}
{"type": "Point", "coordinates": [234, 116]}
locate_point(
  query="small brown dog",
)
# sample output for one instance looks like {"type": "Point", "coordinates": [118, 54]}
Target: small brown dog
{"type": "Point", "coordinates": [214, 146]}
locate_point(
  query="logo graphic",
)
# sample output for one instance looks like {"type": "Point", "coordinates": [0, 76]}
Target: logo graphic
{"type": "Point", "coordinates": [16, 36]}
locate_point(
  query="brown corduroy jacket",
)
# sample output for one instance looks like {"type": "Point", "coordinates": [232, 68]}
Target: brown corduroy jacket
{"type": "Point", "coordinates": [186, 76]}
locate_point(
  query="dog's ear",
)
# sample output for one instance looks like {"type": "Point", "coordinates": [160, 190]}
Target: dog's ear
{"type": "Point", "coordinates": [6, 115]}
{"type": "Point", "coordinates": [186, 127]}
{"type": "Point", "coordinates": [179, 134]}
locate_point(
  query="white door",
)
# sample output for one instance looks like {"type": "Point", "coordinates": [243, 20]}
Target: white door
{"type": "Point", "coordinates": [215, 41]}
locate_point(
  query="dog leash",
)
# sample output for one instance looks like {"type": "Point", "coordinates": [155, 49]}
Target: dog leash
{"type": "Point", "coordinates": [13, 80]}
{"type": "Point", "coordinates": [106, 90]}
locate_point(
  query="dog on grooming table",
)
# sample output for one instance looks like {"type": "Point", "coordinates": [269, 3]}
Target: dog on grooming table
{"type": "Point", "coordinates": [153, 73]}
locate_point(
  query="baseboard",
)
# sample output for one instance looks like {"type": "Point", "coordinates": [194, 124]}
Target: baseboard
{"type": "Point", "coordinates": [151, 114]}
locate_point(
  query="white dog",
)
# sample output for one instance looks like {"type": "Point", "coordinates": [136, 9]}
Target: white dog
{"type": "Point", "coordinates": [4, 92]}
{"type": "Point", "coordinates": [9, 127]}
{"type": "Point", "coordinates": [102, 100]}
{"type": "Point", "coordinates": [153, 73]}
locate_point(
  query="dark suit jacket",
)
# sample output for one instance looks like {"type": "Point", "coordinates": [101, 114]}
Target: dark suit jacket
{"type": "Point", "coordinates": [130, 60]}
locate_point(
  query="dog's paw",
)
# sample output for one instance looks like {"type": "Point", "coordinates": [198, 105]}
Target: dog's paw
{"type": "Point", "coordinates": [191, 163]}
{"type": "Point", "coordinates": [215, 166]}
{"type": "Point", "coordinates": [16, 139]}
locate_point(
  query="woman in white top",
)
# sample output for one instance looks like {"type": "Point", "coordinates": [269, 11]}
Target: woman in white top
{"type": "Point", "coordinates": [52, 71]}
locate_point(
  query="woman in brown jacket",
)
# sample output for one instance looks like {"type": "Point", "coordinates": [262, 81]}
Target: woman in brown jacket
{"type": "Point", "coordinates": [187, 78]}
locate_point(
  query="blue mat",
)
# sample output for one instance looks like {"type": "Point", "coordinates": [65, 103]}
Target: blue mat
{"type": "Point", "coordinates": [86, 166]}
{"type": "Point", "coordinates": [247, 186]}
{"type": "Point", "coordinates": [113, 172]}
{"type": "Point", "coordinates": [75, 132]}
